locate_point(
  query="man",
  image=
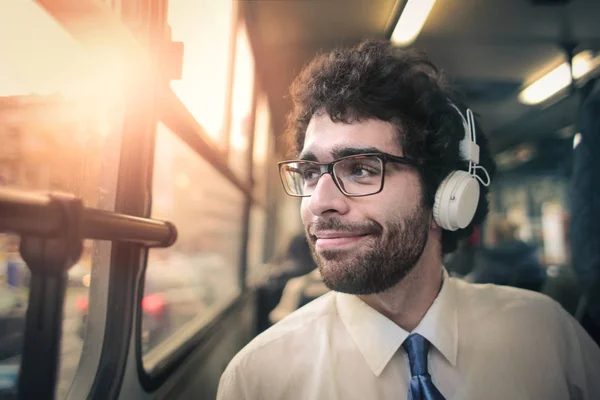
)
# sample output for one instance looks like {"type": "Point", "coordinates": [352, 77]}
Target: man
{"type": "Point", "coordinates": [395, 326]}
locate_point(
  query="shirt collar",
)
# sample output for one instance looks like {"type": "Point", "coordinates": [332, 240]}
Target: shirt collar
{"type": "Point", "coordinates": [440, 324]}
{"type": "Point", "coordinates": [378, 338]}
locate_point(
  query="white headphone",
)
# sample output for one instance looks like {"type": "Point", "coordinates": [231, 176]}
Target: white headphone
{"type": "Point", "coordinates": [457, 196]}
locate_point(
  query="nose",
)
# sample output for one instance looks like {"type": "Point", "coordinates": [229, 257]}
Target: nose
{"type": "Point", "coordinates": [327, 198]}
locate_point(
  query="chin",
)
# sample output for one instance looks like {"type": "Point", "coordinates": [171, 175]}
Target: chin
{"type": "Point", "coordinates": [362, 278]}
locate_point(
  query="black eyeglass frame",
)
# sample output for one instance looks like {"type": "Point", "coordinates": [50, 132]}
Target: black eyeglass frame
{"type": "Point", "coordinates": [383, 157]}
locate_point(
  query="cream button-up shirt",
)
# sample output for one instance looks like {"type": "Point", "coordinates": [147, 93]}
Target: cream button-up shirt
{"type": "Point", "coordinates": [487, 342]}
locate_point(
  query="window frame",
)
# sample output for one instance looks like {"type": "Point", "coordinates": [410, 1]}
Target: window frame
{"type": "Point", "coordinates": [124, 286]}
{"type": "Point", "coordinates": [169, 355]}
{"type": "Point", "coordinates": [180, 121]}
{"type": "Point", "coordinates": [99, 373]}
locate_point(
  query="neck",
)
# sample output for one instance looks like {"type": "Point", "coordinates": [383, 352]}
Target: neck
{"type": "Point", "coordinates": [407, 302]}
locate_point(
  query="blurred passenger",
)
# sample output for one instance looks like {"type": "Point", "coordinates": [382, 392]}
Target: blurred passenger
{"type": "Point", "coordinates": [296, 262]}
{"type": "Point", "coordinates": [561, 281]}
{"type": "Point", "coordinates": [561, 285]}
{"type": "Point", "coordinates": [378, 133]}
{"type": "Point", "coordinates": [509, 261]}
{"type": "Point", "coordinates": [585, 213]}
{"type": "Point", "coordinates": [297, 293]}
{"type": "Point", "coordinates": [461, 262]}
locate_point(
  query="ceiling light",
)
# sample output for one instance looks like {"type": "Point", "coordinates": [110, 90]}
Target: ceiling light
{"type": "Point", "coordinates": [411, 21]}
{"type": "Point", "coordinates": [558, 79]}
{"type": "Point", "coordinates": [576, 140]}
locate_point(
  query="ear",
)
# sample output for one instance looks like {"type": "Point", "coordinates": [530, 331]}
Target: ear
{"type": "Point", "coordinates": [432, 224]}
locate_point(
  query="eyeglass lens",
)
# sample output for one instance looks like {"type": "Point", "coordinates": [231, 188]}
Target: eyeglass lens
{"type": "Point", "coordinates": [358, 175]}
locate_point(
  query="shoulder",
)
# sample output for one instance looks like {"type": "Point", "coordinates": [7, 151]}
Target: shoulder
{"type": "Point", "coordinates": [489, 302]}
{"type": "Point", "coordinates": [292, 330]}
{"type": "Point", "coordinates": [526, 331]}
{"type": "Point", "coordinates": [280, 355]}
{"type": "Point", "coordinates": [493, 293]}
{"type": "Point", "coordinates": [514, 323]}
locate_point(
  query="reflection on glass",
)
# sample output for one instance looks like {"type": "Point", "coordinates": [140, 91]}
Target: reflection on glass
{"type": "Point", "coordinates": [262, 135]}
{"type": "Point", "coordinates": [60, 120]}
{"type": "Point", "coordinates": [241, 107]}
{"type": "Point", "coordinates": [198, 275]}
{"type": "Point", "coordinates": [205, 29]}
{"type": "Point", "coordinates": [256, 244]}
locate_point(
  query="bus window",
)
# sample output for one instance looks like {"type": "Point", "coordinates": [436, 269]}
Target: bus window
{"type": "Point", "coordinates": [263, 146]}
{"type": "Point", "coordinates": [257, 254]}
{"type": "Point", "coordinates": [241, 104]}
{"type": "Point", "coordinates": [205, 29]}
{"type": "Point", "coordinates": [188, 284]}
{"type": "Point", "coordinates": [256, 245]}
{"type": "Point", "coordinates": [60, 123]}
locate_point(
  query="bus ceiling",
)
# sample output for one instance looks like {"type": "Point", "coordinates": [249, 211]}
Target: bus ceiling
{"type": "Point", "coordinates": [490, 65]}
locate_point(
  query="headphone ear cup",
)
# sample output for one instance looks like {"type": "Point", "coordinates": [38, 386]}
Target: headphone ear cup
{"type": "Point", "coordinates": [439, 214]}
{"type": "Point", "coordinates": [456, 201]}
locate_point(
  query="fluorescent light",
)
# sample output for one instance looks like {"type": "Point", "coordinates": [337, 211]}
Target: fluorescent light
{"type": "Point", "coordinates": [576, 140]}
{"type": "Point", "coordinates": [411, 21]}
{"type": "Point", "coordinates": [558, 79]}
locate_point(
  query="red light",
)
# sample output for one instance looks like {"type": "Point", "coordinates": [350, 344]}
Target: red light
{"type": "Point", "coordinates": [153, 303]}
{"type": "Point", "coordinates": [82, 303]}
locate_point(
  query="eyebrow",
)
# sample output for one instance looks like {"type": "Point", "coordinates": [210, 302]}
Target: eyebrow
{"type": "Point", "coordinates": [339, 152]}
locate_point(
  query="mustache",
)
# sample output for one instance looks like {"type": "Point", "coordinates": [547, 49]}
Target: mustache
{"type": "Point", "coordinates": [336, 224]}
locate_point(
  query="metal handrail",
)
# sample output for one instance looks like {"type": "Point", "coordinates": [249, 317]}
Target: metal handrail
{"type": "Point", "coordinates": [52, 229]}
{"type": "Point", "coordinates": [31, 214]}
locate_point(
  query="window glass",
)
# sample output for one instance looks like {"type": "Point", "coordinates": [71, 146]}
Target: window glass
{"type": "Point", "coordinates": [241, 107]}
{"type": "Point", "coordinates": [258, 216]}
{"type": "Point", "coordinates": [190, 282]}
{"type": "Point", "coordinates": [256, 244]}
{"type": "Point", "coordinates": [262, 142]}
{"type": "Point", "coordinates": [205, 29]}
{"type": "Point", "coordinates": [60, 121]}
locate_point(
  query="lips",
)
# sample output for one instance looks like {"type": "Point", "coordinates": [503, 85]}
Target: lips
{"type": "Point", "coordinates": [337, 234]}
{"type": "Point", "coordinates": [329, 240]}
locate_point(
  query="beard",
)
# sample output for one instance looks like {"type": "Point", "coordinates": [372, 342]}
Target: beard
{"type": "Point", "coordinates": [388, 258]}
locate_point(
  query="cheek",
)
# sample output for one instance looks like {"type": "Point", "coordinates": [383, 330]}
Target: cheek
{"type": "Point", "coordinates": [304, 212]}
{"type": "Point", "coordinates": [400, 199]}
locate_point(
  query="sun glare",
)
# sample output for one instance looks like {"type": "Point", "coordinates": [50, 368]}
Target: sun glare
{"type": "Point", "coordinates": [205, 30]}
{"type": "Point", "coordinates": [243, 86]}
{"type": "Point", "coordinates": [41, 58]}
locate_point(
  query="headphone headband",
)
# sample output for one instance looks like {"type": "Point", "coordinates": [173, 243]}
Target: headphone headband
{"type": "Point", "coordinates": [457, 196]}
{"type": "Point", "coordinates": [469, 149]}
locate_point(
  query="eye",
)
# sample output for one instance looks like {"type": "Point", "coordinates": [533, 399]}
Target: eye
{"type": "Point", "coordinates": [311, 174]}
{"type": "Point", "coordinates": [363, 171]}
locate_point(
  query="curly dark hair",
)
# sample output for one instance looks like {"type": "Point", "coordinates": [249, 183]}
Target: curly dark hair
{"type": "Point", "coordinates": [376, 80]}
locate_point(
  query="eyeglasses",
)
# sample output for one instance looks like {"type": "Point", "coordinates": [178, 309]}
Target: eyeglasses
{"type": "Point", "coordinates": [355, 176]}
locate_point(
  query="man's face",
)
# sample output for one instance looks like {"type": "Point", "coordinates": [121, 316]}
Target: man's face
{"type": "Point", "coordinates": [363, 245]}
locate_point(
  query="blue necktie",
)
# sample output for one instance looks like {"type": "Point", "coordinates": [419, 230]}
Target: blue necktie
{"type": "Point", "coordinates": [421, 386]}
